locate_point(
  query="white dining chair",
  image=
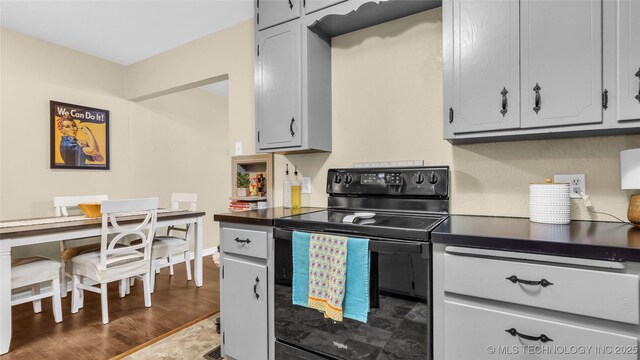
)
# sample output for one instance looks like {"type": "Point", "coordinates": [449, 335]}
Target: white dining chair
{"type": "Point", "coordinates": [164, 247]}
{"type": "Point", "coordinates": [62, 206]}
{"type": "Point", "coordinates": [32, 272]}
{"type": "Point", "coordinates": [123, 256]}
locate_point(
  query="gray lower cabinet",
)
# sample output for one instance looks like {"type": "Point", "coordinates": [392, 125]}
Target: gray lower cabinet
{"type": "Point", "coordinates": [493, 304]}
{"type": "Point", "coordinates": [246, 302]}
{"type": "Point", "coordinates": [273, 12]}
{"type": "Point", "coordinates": [245, 313]}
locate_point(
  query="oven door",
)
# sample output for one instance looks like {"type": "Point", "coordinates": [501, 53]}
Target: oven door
{"type": "Point", "coordinates": [399, 322]}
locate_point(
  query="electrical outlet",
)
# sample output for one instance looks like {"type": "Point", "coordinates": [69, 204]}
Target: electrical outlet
{"type": "Point", "coordinates": [577, 184]}
{"type": "Point", "coordinates": [306, 185]}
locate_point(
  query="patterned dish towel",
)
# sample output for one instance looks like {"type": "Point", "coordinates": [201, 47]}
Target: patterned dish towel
{"type": "Point", "coordinates": [327, 274]}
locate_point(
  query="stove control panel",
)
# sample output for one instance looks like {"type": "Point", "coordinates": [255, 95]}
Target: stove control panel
{"type": "Point", "coordinates": [416, 181]}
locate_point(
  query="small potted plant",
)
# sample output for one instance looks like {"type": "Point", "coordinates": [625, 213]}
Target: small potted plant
{"type": "Point", "coordinates": [242, 183]}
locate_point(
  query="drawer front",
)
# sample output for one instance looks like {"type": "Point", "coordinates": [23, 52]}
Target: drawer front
{"type": "Point", "coordinates": [476, 333]}
{"type": "Point", "coordinates": [244, 242]}
{"type": "Point", "coordinates": [599, 294]}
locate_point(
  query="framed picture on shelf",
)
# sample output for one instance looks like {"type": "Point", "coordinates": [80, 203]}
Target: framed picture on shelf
{"type": "Point", "coordinates": [79, 137]}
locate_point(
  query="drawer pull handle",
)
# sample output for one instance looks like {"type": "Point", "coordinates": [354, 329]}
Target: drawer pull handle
{"type": "Point", "coordinates": [255, 288]}
{"type": "Point", "coordinates": [244, 242]}
{"type": "Point", "coordinates": [544, 282]}
{"type": "Point", "coordinates": [544, 338]}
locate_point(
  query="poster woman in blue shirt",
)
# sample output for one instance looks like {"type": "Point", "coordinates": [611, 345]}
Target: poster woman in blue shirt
{"type": "Point", "coordinates": [76, 152]}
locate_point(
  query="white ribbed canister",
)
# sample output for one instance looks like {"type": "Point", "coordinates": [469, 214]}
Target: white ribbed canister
{"type": "Point", "coordinates": [549, 203]}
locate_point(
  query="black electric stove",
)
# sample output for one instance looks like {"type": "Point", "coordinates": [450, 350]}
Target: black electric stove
{"type": "Point", "coordinates": [396, 209]}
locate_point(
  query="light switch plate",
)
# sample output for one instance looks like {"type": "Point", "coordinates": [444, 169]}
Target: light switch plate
{"type": "Point", "coordinates": [238, 147]}
{"type": "Point", "coordinates": [306, 185]}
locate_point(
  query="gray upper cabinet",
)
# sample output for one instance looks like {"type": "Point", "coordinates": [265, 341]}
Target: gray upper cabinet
{"type": "Point", "coordinates": [315, 5]}
{"type": "Point", "coordinates": [278, 87]}
{"type": "Point", "coordinates": [628, 59]}
{"type": "Point", "coordinates": [274, 12]}
{"type": "Point", "coordinates": [569, 68]}
{"type": "Point", "coordinates": [486, 83]}
{"type": "Point", "coordinates": [561, 44]}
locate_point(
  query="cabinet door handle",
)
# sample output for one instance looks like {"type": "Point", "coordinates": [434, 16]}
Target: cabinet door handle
{"type": "Point", "coordinates": [543, 282]}
{"type": "Point", "coordinates": [605, 99]}
{"type": "Point", "coordinates": [537, 89]}
{"type": "Point", "coordinates": [255, 288]}
{"type": "Point", "coordinates": [293, 133]}
{"type": "Point", "coordinates": [638, 76]}
{"type": "Point", "coordinates": [504, 93]}
{"type": "Point", "coordinates": [290, 5]}
{"type": "Point", "coordinates": [450, 115]}
{"type": "Point", "coordinates": [544, 338]}
{"type": "Point", "coordinates": [243, 242]}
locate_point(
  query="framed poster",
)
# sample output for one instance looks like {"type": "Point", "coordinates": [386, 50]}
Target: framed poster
{"type": "Point", "coordinates": [79, 137]}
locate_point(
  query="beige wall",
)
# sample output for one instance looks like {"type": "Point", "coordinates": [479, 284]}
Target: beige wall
{"type": "Point", "coordinates": [183, 137]}
{"type": "Point", "coordinates": [180, 145]}
{"type": "Point", "coordinates": [228, 53]}
{"type": "Point", "coordinates": [387, 105]}
{"type": "Point", "coordinates": [34, 72]}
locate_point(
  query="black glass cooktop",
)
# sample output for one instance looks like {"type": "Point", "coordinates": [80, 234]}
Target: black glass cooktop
{"type": "Point", "coordinates": [382, 224]}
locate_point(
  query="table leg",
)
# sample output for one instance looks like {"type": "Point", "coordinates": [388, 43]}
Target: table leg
{"type": "Point", "coordinates": [5, 300]}
{"type": "Point", "coordinates": [197, 261]}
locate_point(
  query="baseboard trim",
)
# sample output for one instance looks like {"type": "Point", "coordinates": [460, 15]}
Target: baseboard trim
{"type": "Point", "coordinates": [163, 336]}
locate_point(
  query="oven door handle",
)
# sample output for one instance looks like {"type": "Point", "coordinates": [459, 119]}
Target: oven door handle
{"type": "Point", "coordinates": [375, 245]}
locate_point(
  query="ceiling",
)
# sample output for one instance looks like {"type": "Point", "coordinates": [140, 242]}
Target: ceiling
{"type": "Point", "coordinates": [124, 32]}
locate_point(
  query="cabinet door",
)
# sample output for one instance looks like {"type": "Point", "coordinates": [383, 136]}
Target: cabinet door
{"type": "Point", "coordinates": [274, 12]}
{"type": "Point", "coordinates": [315, 5]}
{"type": "Point", "coordinates": [628, 59]}
{"type": "Point", "coordinates": [561, 48]}
{"type": "Point", "coordinates": [279, 87]}
{"type": "Point", "coordinates": [244, 313]}
{"type": "Point", "coordinates": [486, 68]}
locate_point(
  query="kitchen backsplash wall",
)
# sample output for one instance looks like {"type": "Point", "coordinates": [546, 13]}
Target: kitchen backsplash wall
{"type": "Point", "coordinates": [387, 105]}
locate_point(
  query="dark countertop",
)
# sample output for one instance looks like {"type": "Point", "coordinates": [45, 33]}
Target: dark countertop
{"type": "Point", "coordinates": [263, 217]}
{"type": "Point", "coordinates": [582, 239]}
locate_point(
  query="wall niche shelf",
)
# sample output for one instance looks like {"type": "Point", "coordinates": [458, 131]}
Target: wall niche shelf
{"type": "Point", "coordinates": [253, 165]}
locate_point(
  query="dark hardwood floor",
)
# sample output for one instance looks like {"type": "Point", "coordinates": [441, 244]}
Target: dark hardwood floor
{"type": "Point", "coordinates": [175, 302]}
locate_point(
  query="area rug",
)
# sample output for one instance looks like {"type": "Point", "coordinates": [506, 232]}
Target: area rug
{"type": "Point", "coordinates": [192, 341]}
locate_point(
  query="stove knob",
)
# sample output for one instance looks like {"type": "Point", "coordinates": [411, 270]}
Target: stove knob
{"type": "Point", "coordinates": [419, 179]}
{"type": "Point", "coordinates": [348, 179]}
{"type": "Point", "coordinates": [432, 178]}
{"type": "Point", "coordinates": [337, 179]}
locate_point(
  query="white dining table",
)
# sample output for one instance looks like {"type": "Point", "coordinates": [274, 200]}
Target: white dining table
{"type": "Point", "coordinates": [24, 232]}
